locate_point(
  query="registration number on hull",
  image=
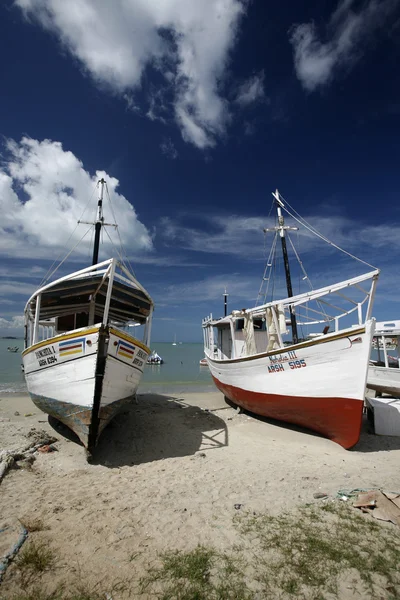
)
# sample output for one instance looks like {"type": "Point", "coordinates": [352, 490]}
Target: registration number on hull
{"type": "Point", "coordinates": [279, 362]}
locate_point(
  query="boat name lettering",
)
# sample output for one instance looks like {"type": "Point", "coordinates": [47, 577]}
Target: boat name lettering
{"type": "Point", "coordinates": [275, 368]}
{"type": "Point", "coordinates": [43, 362]}
{"type": "Point", "coordinates": [141, 354]}
{"type": "Point", "coordinates": [138, 362]}
{"type": "Point", "coordinates": [297, 364]}
{"type": "Point", "coordinates": [280, 358]}
{"type": "Point", "coordinates": [45, 352]}
{"type": "Point", "coordinates": [293, 364]}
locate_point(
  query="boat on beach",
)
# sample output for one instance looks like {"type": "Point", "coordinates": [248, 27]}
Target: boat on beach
{"type": "Point", "coordinates": [384, 373]}
{"type": "Point", "coordinates": [316, 381]}
{"type": "Point", "coordinates": [154, 359]}
{"type": "Point", "coordinates": [81, 365]}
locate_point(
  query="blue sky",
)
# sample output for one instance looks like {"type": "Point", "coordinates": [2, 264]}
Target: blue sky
{"type": "Point", "coordinates": [194, 112]}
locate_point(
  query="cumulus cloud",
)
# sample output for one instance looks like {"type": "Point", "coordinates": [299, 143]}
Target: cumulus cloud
{"type": "Point", "coordinates": [168, 148]}
{"type": "Point", "coordinates": [44, 191]}
{"type": "Point", "coordinates": [251, 90]}
{"type": "Point", "coordinates": [13, 323]}
{"type": "Point", "coordinates": [347, 32]}
{"type": "Point", "coordinates": [187, 41]}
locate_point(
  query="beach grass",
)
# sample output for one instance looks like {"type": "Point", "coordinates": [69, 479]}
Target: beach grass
{"type": "Point", "coordinates": [316, 552]}
{"type": "Point", "coordinates": [36, 557]}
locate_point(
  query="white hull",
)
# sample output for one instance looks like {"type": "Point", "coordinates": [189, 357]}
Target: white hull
{"type": "Point", "coordinates": [61, 377]}
{"type": "Point", "coordinates": [318, 384]}
{"type": "Point", "coordinates": [385, 380]}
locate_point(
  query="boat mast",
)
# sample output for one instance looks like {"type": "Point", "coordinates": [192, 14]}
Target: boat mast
{"type": "Point", "coordinates": [225, 303]}
{"type": "Point", "coordinates": [99, 223]}
{"type": "Point", "coordinates": [282, 228]}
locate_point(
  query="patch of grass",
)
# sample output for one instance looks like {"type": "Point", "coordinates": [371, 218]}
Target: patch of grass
{"type": "Point", "coordinates": [200, 574]}
{"type": "Point", "coordinates": [36, 593]}
{"type": "Point", "coordinates": [305, 553]}
{"type": "Point", "coordinates": [32, 524]}
{"type": "Point", "coordinates": [36, 557]}
{"type": "Point", "coordinates": [81, 591]}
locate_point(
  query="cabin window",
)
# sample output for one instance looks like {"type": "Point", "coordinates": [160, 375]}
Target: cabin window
{"type": "Point", "coordinates": [239, 324]}
{"type": "Point", "coordinates": [258, 325]}
{"type": "Point", "coordinates": [75, 321]}
{"type": "Point", "coordinates": [65, 323]}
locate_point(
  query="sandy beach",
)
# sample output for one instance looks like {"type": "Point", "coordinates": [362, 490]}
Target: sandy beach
{"type": "Point", "coordinates": [169, 473]}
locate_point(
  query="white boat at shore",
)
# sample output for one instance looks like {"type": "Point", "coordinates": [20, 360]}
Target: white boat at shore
{"type": "Point", "coordinates": [384, 373]}
{"type": "Point", "coordinates": [319, 382]}
{"type": "Point", "coordinates": [154, 359]}
{"type": "Point", "coordinates": [80, 365]}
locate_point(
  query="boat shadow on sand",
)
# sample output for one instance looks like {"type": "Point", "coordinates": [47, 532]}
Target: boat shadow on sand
{"type": "Point", "coordinates": [154, 428]}
{"type": "Point", "coordinates": [368, 442]}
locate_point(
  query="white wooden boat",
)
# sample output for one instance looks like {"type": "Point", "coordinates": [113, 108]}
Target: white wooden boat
{"type": "Point", "coordinates": [384, 373]}
{"type": "Point", "coordinates": [316, 382]}
{"type": "Point", "coordinates": [81, 365]}
{"type": "Point", "coordinates": [154, 359]}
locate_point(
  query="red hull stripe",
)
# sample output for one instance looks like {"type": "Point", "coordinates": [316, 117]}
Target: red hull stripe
{"type": "Point", "coordinates": [338, 419]}
{"type": "Point", "coordinates": [65, 348]}
{"type": "Point", "coordinates": [125, 349]}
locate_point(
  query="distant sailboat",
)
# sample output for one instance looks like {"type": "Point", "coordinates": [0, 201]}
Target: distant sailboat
{"type": "Point", "coordinates": [174, 342]}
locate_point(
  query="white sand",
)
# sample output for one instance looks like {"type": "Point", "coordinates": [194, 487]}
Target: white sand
{"type": "Point", "coordinates": [167, 475]}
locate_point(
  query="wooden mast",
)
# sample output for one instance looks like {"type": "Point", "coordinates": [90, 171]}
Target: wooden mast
{"type": "Point", "coordinates": [282, 228]}
{"type": "Point", "coordinates": [99, 223]}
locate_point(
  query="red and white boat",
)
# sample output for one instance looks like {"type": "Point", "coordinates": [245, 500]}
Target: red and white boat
{"type": "Point", "coordinates": [318, 382]}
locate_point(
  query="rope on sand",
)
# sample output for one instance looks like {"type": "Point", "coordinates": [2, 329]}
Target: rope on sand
{"type": "Point", "coordinates": [9, 457]}
{"type": "Point", "coordinates": [6, 560]}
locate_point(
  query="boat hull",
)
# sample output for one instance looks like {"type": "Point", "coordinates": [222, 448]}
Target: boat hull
{"type": "Point", "coordinates": [385, 380]}
{"type": "Point", "coordinates": [85, 377]}
{"type": "Point", "coordinates": [319, 384]}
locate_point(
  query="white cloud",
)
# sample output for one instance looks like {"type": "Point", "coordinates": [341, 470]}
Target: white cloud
{"type": "Point", "coordinates": [168, 148]}
{"type": "Point", "coordinates": [347, 31]}
{"type": "Point", "coordinates": [15, 323]}
{"type": "Point", "coordinates": [251, 90]}
{"type": "Point", "coordinates": [44, 191]}
{"type": "Point", "coordinates": [187, 41]}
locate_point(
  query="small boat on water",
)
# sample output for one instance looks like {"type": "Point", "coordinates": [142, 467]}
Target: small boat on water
{"type": "Point", "coordinates": [13, 348]}
{"type": "Point", "coordinates": [154, 359]}
{"type": "Point", "coordinates": [203, 362]}
{"type": "Point", "coordinates": [80, 364]}
{"type": "Point", "coordinates": [384, 373]}
{"type": "Point", "coordinates": [316, 382]}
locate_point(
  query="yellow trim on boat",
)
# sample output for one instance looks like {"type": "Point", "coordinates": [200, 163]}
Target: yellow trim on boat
{"type": "Point", "coordinates": [129, 338]}
{"type": "Point", "coordinates": [61, 338]}
{"type": "Point", "coordinates": [323, 339]}
{"type": "Point", "coordinates": [71, 352]}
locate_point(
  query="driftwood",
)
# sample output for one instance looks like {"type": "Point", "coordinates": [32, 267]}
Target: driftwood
{"type": "Point", "coordinates": [9, 457]}
{"type": "Point", "coordinates": [384, 506]}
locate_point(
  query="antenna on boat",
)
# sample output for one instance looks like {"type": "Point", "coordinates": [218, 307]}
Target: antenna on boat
{"type": "Point", "coordinates": [225, 302]}
{"type": "Point", "coordinates": [99, 222]}
{"type": "Point", "coordinates": [282, 228]}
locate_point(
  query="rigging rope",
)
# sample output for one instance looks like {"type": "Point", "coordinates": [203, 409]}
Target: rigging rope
{"type": "Point", "coordinates": [69, 253]}
{"type": "Point", "coordinates": [308, 226]}
{"type": "Point", "coordinates": [126, 263]}
{"type": "Point", "coordinates": [47, 276]}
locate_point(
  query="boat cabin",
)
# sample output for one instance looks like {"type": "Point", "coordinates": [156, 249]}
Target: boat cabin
{"type": "Point", "coordinates": [97, 295]}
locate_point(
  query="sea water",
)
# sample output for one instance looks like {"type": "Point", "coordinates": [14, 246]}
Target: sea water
{"type": "Point", "coordinates": [181, 371]}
